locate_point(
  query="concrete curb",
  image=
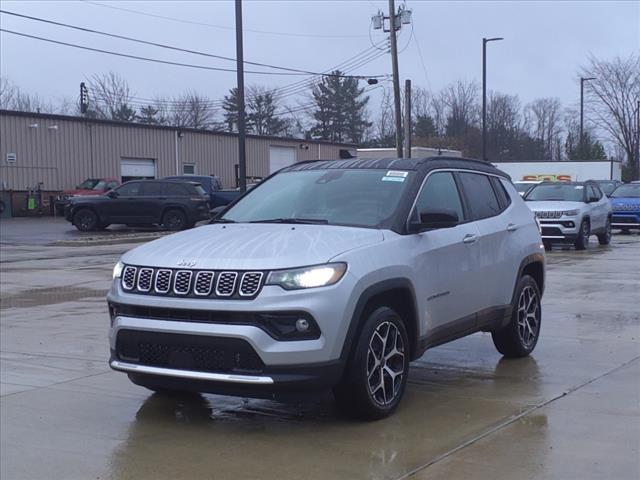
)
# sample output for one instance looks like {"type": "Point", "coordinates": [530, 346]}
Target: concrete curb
{"type": "Point", "coordinates": [97, 241]}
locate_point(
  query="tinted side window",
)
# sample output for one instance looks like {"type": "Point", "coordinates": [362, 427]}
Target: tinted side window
{"type": "Point", "coordinates": [176, 190]}
{"type": "Point", "coordinates": [440, 192]}
{"type": "Point", "coordinates": [151, 189]}
{"type": "Point", "coordinates": [130, 189]}
{"type": "Point", "coordinates": [503, 197]}
{"type": "Point", "coordinates": [480, 195]}
{"type": "Point", "coordinates": [596, 192]}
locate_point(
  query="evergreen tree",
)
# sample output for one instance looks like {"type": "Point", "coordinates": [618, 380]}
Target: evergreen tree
{"type": "Point", "coordinates": [588, 149]}
{"type": "Point", "coordinates": [261, 115]}
{"type": "Point", "coordinates": [340, 109]}
{"type": "Point", "coordinates": [149, 115]}
{"type": "Point", "coordinates": [124, 113]}
{"type": "Point", "coordinates": [424, 127]}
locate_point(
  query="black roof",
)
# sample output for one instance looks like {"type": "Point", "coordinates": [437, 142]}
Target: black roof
{"type": "Point", "coordinates": [398, 163]}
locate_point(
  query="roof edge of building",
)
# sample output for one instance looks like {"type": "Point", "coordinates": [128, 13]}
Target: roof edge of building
{"type": "Point", "coordinates": [75, 118]}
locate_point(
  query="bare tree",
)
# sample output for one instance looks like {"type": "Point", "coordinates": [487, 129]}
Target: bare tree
{"type": "Point", "coordinates": [543, 117]}
{"type": "Point", "coordinates": [461, 102]}
{"type": "Point", "coordinates": [504, 125]}
{"type": "Point", "coordinates": [13, 98]}
{"type": "Point", "coordinates": [110, 96]}
{"type": "Point", "coordinates": [612, 100]}
{"type": "Point", "coordinates": [8, 92]}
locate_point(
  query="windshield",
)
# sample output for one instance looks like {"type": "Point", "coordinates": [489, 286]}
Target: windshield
{"type": "Point", "coordinates": [626, 191]}
{"type": "Point", "coordinates": [340, 197]}
{"type": "Point", "coordinates": [88, 184]}
{"type": "Point", "coordinates": [558, 192]}
{"type": "Point", "coordinates": [523, 187]}
{"type": "Point", "coordinates": [607, 187]}
{"type": "Point", "coordinates": [101, 185]}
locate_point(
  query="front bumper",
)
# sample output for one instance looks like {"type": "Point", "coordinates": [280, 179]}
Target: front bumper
{"type": "Point", "coordinates": [625, 220]}
{"type": "Point", "coordinates": [281, 365]}
{"type": "Point", "coordinates": [561, 231]}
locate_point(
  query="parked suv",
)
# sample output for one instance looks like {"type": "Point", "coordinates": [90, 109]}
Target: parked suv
{"type": "Point", "coordinates": [570, 212]}
{"type": "Point", "coordinates": [332, 275]}
{"type": "Point", "coordinates": [625, 202]}
{"type": "Point", "coordinates": [175, 205]}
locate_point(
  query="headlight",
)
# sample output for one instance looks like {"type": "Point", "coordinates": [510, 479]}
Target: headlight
{"type": "Point", "coordinates": [570, 213]}
{"type": "Point", "coordinates": [308, 277]}
{"type": "Point", "coordinates": [117, 269]}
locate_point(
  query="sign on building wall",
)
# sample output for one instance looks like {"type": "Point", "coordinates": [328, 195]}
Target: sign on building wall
{"type": "Point", "coordinates": [11, 158]}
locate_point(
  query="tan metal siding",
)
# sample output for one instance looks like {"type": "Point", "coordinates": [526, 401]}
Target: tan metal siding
{"type": "Point", "coordinates": [78, 149]}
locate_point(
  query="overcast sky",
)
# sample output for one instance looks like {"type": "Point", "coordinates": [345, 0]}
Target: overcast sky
{"type": "Point", "coordinates": [545, 43]}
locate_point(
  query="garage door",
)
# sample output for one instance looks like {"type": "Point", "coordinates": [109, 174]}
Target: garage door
{"type": "Point", "coordinates": [280, 157]}
{"type": "Point", "coordinates": [136, 168]}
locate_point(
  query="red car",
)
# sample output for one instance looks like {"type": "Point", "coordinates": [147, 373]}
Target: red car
{"type": "Point", "coordinates": [91, 186]}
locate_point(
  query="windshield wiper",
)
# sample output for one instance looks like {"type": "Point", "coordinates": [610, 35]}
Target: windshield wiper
{"type": "Point", "coordinates": [317, 221]}
{"type": "Point", "coordinates": [222, 220]}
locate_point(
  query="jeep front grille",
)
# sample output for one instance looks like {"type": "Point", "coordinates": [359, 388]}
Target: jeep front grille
{"type": "Point", "coordinates": [250, 283]}
{"type": "Point", "coordinates": [192, 283]}
{"type": "Point", "coordinates": [549, 214]}
{"type": "Point", "coordinates": [129, 277]}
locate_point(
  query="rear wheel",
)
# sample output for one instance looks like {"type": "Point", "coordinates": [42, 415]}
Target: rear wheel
{"type": "Point", "coordinates": [583, 236]}
{"type": "Point", "coordinates": [174, 219]}
{"type": "Point", "coordinates": [85, 220]}
{"type": "Point", "coordinates": [520, 336]}
{"type": "Point", "coordinates": [376, 375]}
{"type": "Point", "coordinates": [605, 237]}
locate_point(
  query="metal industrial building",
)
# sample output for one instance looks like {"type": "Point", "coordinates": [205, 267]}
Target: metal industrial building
{"type": "Point", "coordinates": [61, 151]}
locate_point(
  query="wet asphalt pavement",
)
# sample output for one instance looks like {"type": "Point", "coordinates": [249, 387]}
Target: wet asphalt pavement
{"type": "Point", "coordinates": [571, 410]}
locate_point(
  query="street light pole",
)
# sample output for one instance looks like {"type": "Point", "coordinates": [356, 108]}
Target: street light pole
{"type": "Point", "coordinates": [582, 80]}
{"type": "Point", "coordinates": [484, 93]}
{"type": "Point", "coordinates": [396, 76]}
{"type": "Point", "coordinates": [242, 159]}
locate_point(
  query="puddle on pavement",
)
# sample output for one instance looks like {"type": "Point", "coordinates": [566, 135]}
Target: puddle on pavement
{"type": "Point", "coordinates": [47, 296]}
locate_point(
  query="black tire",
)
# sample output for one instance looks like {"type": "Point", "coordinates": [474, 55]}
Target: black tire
{"type": "Point", "coordinates": [625, 231]}
{"type": "Point", "coordinates": [368, 364]}
{"type": "Point", "coordinates": [520, 336]}
{"type": "Point", "coordinates": [174, 220]}
{"type": "Point", "coordinates": [547, 246]}
{"type": "Point", "coordinates": [85, 220]}
{"type": "Point", "coordinates": [582, 242]}
{"type": "Point", "coordinates": [605, 237]}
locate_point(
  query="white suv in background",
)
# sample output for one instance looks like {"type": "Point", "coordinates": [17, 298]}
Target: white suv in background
{"type": "Point", "coordinates": [332, 275]}
{"type": "Point", "coordinates": [570, 212]}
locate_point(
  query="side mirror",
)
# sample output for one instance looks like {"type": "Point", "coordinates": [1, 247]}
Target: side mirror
{"type": "Point", "coordinates": [434, 219]}
{"type": "Point", "coordinates": [112, 194]}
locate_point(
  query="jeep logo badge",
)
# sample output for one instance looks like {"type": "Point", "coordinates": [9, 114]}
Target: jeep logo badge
{"type": "Point", "coordinates": [187, 263]}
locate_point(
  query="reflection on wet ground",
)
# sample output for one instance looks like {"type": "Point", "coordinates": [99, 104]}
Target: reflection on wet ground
{"type": "Point", "coordinates": [569, 411]}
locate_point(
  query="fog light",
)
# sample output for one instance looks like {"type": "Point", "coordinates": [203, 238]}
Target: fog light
{"type": "Point", "coordinates": [302, 325]}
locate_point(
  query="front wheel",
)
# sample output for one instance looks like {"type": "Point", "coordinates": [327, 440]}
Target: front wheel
{"type": "Point", "coordinates": [605, 237]}
{"type": "Point", "coordinates": [85, 220]}
{"type": "Point", "coordinates": [520, 336]}
{"type": "Point", "coordinates": [376, 375]}
{"type": "Point", "coordinates": [583, 236]}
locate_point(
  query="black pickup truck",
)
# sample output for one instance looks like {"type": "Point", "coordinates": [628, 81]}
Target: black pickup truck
{"type": "Point", "coordinates": [218, 197]}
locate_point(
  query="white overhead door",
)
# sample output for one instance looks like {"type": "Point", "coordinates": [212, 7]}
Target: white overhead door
{"type": "Point", "coordinates": [132, 168]}
{"type": "Point", "coordinates": [280, 157]}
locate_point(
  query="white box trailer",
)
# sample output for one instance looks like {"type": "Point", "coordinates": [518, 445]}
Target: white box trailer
{"type": "Point", "coordinates": [562, 171]}
{"type": "Point", "coordinates": [416, 152]}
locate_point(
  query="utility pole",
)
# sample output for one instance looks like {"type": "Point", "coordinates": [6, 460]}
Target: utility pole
{"type": "Point", "coordinates": [407, 118]}
{"type": "Point", "coordinates": [581, 138]}
{"type": "Point", "coordinates": [242, 159]}
{"type": "Point", "coordinates": [396, 76]}
{"type": "Point", "coordinates": [484, 93]}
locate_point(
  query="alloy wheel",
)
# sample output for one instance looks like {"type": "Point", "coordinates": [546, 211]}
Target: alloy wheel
{"type": "Point", "coordinates": [528, 324]}
{"type": "Point", "coordinates": [174, 221]}
{"type": "Point", "coordinates": [385, 363]}
{"type": "Point", "coordinates": [86, 221]}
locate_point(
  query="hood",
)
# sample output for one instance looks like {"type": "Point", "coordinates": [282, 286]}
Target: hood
{"type": "Point", "coordinates": [624, 201]}
{"type": "Point", "coordinates": [553, 206]}
{"type": "Point", "coordinates": [80, 192]}
{"type": "Point", "coordinates": [256, 246]}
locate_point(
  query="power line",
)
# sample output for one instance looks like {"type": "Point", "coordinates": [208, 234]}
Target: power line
{"type": "Point", "coordinates": [223, 27]}
{"type": "Point", "coordinates": [155, 44]}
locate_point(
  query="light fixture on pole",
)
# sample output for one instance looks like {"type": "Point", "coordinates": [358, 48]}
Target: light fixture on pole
{"type": "Point", "coordinates": [484, 93]}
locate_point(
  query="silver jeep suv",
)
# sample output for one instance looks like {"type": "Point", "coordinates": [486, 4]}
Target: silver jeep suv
{"type": "Point", "coordinates": [570, 212]}
{"type": "Point", "coordinates": [332, 275]}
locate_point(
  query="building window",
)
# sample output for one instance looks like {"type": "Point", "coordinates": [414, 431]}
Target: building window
{"type": "Point", "coordinates": [188, 169]}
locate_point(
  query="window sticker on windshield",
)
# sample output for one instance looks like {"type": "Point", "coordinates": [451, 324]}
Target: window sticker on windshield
{"type": "Point", "coordinates": [579, 187]}
{"type": "Point", "coordinates": [393, 179]}
{"type": "Point", "coordinates": [397, 173]}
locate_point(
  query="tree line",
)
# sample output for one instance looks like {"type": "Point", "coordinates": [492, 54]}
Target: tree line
{"type": "Point", "coordinates": [338, 108]}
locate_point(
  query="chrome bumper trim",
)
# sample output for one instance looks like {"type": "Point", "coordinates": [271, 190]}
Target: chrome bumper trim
{"type": "Point", "coordinates": [553, 236]}
{"type": "Point", "coordinates": [613, 224]}
{"type": "Point", "coordinates": [190, 374]}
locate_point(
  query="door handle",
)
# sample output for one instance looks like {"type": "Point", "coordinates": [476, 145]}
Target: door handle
{"type": "Point", "coordinates": [512, 227]}
{"type": "Point", "coordinates": [470, 238]}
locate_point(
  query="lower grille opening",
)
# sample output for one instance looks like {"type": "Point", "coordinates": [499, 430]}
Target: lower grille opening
{"type": "Point", "coordinates": [188, 352]}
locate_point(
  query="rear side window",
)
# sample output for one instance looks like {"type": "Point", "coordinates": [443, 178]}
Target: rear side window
{"type": "Point", "coordinates": [503, 197]}
{"type": "Point", "coordinates": [176, 190]}
{"type": "Point", "coordinates": [151, 189]}
{"type": "Point", "coordinates": [200, 190]}
{"type": "Point", "coordinates": [440, 193]}
{"type": "Point", "coordinates": [130, 189]}
{"type": "Point", "coordinates": [480, 195]}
